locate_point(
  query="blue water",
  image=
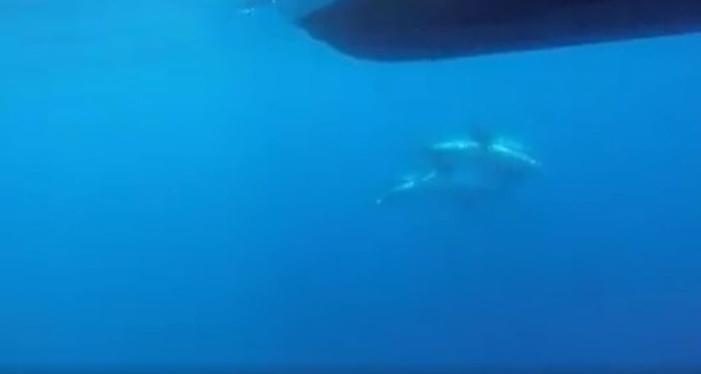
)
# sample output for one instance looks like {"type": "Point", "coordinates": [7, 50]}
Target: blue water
{"type": "Point", "coordinates": [183, 186]}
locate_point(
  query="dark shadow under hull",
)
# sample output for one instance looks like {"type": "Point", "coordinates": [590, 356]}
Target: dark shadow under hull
{"type": "Point", "coordinates": [406, 30]}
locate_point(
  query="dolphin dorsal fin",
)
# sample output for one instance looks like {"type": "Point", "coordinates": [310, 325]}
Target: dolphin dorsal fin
{"type": "Point", "coordinates": [481, 135]}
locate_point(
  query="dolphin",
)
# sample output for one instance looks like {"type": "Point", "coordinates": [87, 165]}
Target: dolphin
{"type": "Point", "coordinates": [472, 168]}
{"type": "Point", "coordinates": [482, 152]}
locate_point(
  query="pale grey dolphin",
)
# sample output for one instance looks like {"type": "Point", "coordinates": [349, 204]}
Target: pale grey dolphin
{"type": "Point", "coordinates": [475, 166]}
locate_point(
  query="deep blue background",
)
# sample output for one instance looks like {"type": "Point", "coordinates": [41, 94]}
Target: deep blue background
{"type": "Point", "coordinates": [180, 185]}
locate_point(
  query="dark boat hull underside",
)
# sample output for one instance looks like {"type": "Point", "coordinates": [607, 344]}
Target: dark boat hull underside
{"type": "Point", "coordinates": [405, 30]}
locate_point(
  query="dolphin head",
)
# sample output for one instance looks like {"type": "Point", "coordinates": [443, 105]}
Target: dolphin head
{"type": "Point", "coordinates": [513, 164]}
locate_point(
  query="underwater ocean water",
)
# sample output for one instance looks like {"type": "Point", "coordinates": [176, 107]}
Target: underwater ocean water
{"type": "Point", "coordinates": [183, 186]}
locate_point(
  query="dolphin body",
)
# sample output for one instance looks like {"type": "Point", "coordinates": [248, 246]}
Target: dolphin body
{"type": "Point", "coordinates": [472, 169]}
{"type": "Point", "coordinates": [500, 158]}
